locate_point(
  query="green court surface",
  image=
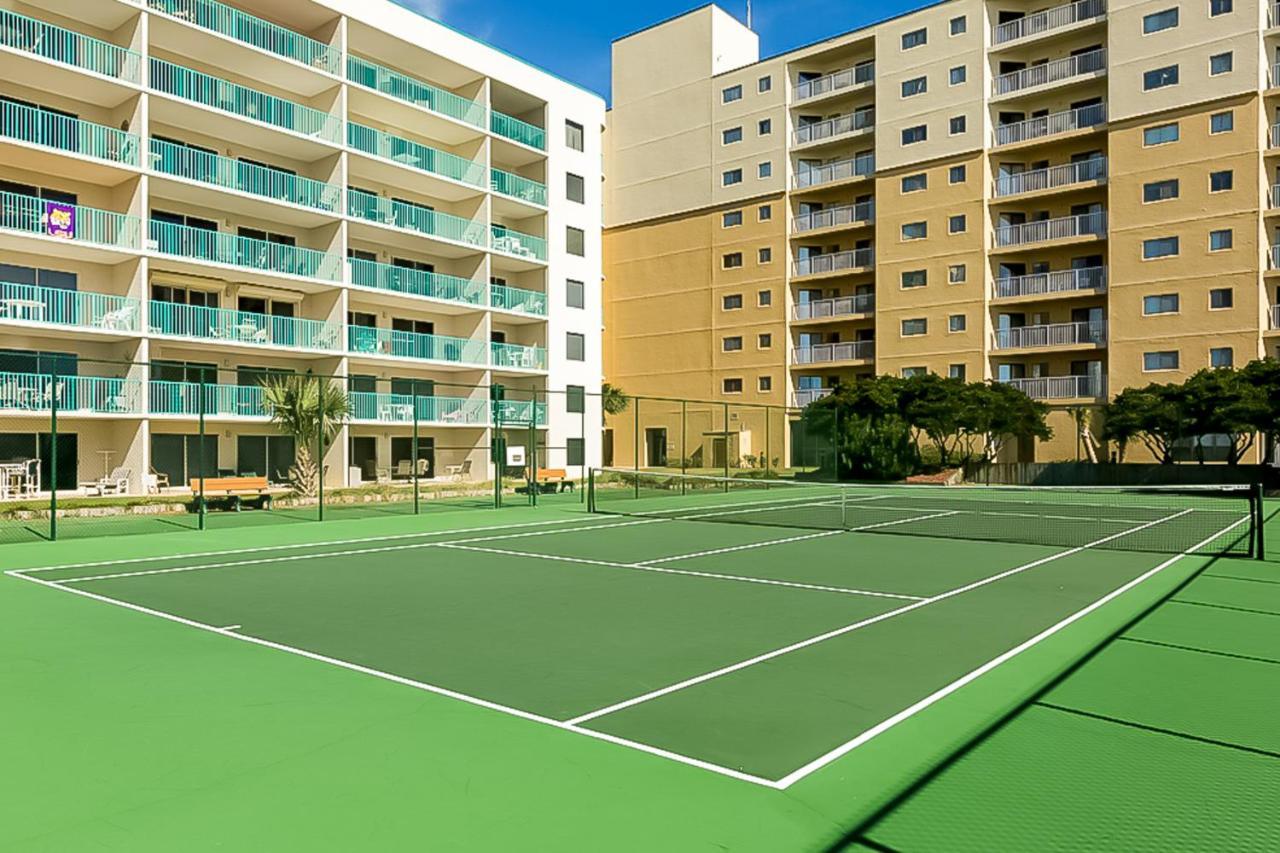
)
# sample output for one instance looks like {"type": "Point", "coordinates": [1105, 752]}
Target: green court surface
{"type": "Point", "coordinates": [549, 678]}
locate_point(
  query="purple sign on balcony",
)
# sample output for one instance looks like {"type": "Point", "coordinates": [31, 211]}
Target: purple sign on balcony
{"type": "Point", "coordinates": [60, 220]}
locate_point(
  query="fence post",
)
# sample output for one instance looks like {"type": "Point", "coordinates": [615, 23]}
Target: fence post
{"type": "Point", "coordinates": [497, 448]}
{"type": "Point", "coordinates": [416, 508]}
{"type": "Point", "coordinates": [725, 424]}
{"type": "Point", "coordinates": [684, 447]}
{"type": "Point", "coordinates": [1260, 508]}
{"type": "Point", "coordinates": [320, 472]}
{"type": "Point", "coordinates": [768, 416]}
{"type": "Point", "coordinates": [582, 431]}
{"type": "Point", "coordinates": [531, 483]}
{"type": "Point", "coordinates": [53, 456]}
{"type": "Point", "coordinates": [200, 460]}
{"type": "Point", "coordinates": [591, 490]}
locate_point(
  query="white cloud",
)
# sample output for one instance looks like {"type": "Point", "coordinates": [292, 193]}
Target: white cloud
{"type": "Point", "coordinates": [430, 8]}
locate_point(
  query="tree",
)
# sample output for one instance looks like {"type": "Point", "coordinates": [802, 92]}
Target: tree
{"type": "Point", "coordinates": [1153, 415]}
{"type": "Point", "coordinates": [1001, 412]}
{"type": "Point", "coordinates": [1265, 376]}
{"type": "Point", "coordinates": [1224, 402]}
{"type": "Point", "coordinates": [306, 408]}
{"type": "Point", "coordinates": [869, 437]}
{"type": "Point", "coordinates": [935, 407]}
{"type": "Point", "coordinates": [613, 400]}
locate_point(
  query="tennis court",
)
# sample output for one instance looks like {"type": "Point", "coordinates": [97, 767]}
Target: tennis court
{"type": "Point", "coordinates": [760, 631]}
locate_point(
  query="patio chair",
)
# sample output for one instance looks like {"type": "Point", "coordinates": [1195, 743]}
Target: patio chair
{"type": "Point", "coordinates": [115, 483]}
{"type": "Point", "coordinates": [404, 470]}
{"type": "Point", "coordinates": [31, 482]}
{"type": "Point", "coordinates": [159, 480]}
{"type": "Point", "coordinates": [120, 319]}
{"type": "Point", "coordinates": [459, 472]}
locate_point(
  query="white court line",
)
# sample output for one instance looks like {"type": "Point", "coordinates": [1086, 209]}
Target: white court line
{"type": "Point", "coordinates": [839, 632]}
{"type": "Point", "coordinates": [231, 628]}
{"type": "Point", "coordinates": [764, 506]}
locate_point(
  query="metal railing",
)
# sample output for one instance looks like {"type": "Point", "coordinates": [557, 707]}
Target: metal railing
{"type": "Point", "coordinates": [1274, 201]}
{"type": "Point", "coordinates": [1060, 387]}
{"type": "Point", "coordinates": [69, 47]}
{"type": "Point", "coordinates": [390, 342]}
{"type": "Point", "coordinates": [243, 327]}
{"type": "Point", "coordinates": [406, 408]}
{"type": "Point", "coordinates": [1060, 281]}
{"type": "Point", "coordinates": [412, 282]}
{"type": "Point", "coordinates": [74, 309]}
{"type": "Point", "coordinates": [220, 247]}
{"type": "Point", "coordinates": [183, 162]}
{"type": "Point", "coordinates": [1082, 225]}
{"type": "Point", "coordinates": [1274, 19]}
{"type": "Point", "coordinates": [840, 306]}
{"type": "Point", "coordinates": [242, 101]}
{"type": "Point", "coordinates": [835, 261]}
{"type": "Point", "coordinates": [74, 136]}
{"type": "Point", "coordinates": [805, 396]}
{"type": "Point", "coordinates": [833, 127]}
{"type": "Point", "coordinates": [1274, 79]}
{"type": "Point", "coordinates": [193, 398]}
{"type": "Point", "coordinates": [241, 26]}
{"type": "Point", "coordinates": [99, 395]}
{"type": "Point", "coordinates": [860, 166]}
{"type": "Point", "coordinates": [1274, 136]}
{"type": "Point", "coordinates": [420, 93]}
{"type": "Point", "coordinates": [1053, 177]}
{"type": "Point", "coordinates": [1052, 335]}
{"type": "Point", "coordinates": [69, 221]}
{"type": "Point", "coordinates": [1275, 316]}
{"type": "Point", "coordinates": [1053, 71]}
{"type": "Point", "coordinates": [862, 213]}
{"type": "Point", "coordinates": [1048, 20]}
{"type": "Point", "coordinates": [834, 82]}
{"type": "Point", "coordinates": [518, 186]}
{"type": "Point", "coordinates": [510, 127]}
{"type": "Point", "coordinates": [517, 355]}
{"type": "Point", "coordinates": [406, 152]}
{"type": "Point", "coordinates": [511, 242]}
{"type": "Point", "coordinates": [518, 299]}
{"type": "Point", "coordinates": [1066, 121]}
{"type": "Point", "coordinates": [1275, 257]}
{"type": "Point", "coordinates": [824, 353]}
{"type": "Point", "coordinates": [411, 217]}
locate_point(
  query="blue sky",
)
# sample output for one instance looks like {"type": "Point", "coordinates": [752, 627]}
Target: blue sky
{"type": "Point", "coordinates": [571, 37]}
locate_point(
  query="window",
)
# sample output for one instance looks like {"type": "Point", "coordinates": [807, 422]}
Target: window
{"type": "Point", "coordinates": [958, 124]}
{"type": "Point", "coordinates": [731, 219]}
{"type": "Point", "coordinates": [575, 451]}
{"type": "Point", "coordinates": [764, 84]}
{"type": "Point", "coordinates": [574, 136]}
{"type": "Point", "coordinates": [957, 323]}
{"type": "Point", "coordinates": [764, 341]}
{"type": "Point", "coordinates": [731, 177]}
{"type": "Point", "coordinates": [1221, 298]}
{"type": "Point", "coordinates": [764, 127]}
{"type": "Point", "coordinates": [575, 399]}
{"type": "Point", "coordinates": [1157, 21]}
{"type": "Point", "coordinates": [1221, 181]}
{"type": "Point", "coordinates": [765, 169]}
{"type": "Point", "coordinates": [915, 38]}
{"type": "Point", "coordinates": [1163, 360]}
{"type": "Point", "coordinates": [765, 212]}
{"type": "Point", "coordinates": [915, 278]}
{"type": "Point", "coordinates": [765, 383]}
{"type": "Point", "coordinates": [732, 343]}
{"type": "Point", "coordinates": [915, 231]}
{"type": "Point", "coordinates": [956, 274]}
{"type": "Point", "coordinates": [957, 224]}
{"type": "Point", "coordinates": [1160, 247]}
{"type": "Point", "coordinates": [1222, 357]}
{"type": "Point", "coordinates": [575, 346]}
{"type": "Point", "coordinates": [732, 261]}
{"type": "Point", "coordinates": [915, 183]}
{"type": "Point", "coordinates": [731, 94]}
{"type": "Point", "coordinates": [915, 327]}
{"type": "Point", "coordinates": [959, 74]}
{"type": "Point", "coordinates": [1222, 122]}
{"type": "Point", "coordinates": [956, 175]}
{"type": "Point", "coordinates": [1160, 134]}
{"type": "Point", "coordinates": [1220, 63]}
{"type": "Point", "coordinates": [1221, 240]}
{"type": "Point", "coordinates": [765, 255]}
{"type": "Point", "coordinates": [1160, 190]}
{"type": "Point", "coordinates": [956, 371]}
{"type": "Point", "coordinates": [912, 135]}
{"type": "Point", "coordinates": [575, 188]}
{"type": "Point", "coordinates": [1219, 7]}
{"type": "Point", "coordinates": [731, 302]}
{"type": "Point", "coordinates": [1164, 303]}
{"type": "Point", "coordinates": [575, 294]}
{"type": "Point", "coordinates": [764, 298]}
{"type": "Point", "coordinates": [732, 386]}
{"type": "Point", "coordinates": [908, 372]}
{"type": "Point", "coordinates": [959, 26]}
{"type": "Point", "coordinates": [575, 240]}
{"type": "Point", "coordinates": [1158, 78]}
{"type": "Point", "coordinates": [730, 135]}
{"type": "Point", "coordinates": [915, 86]}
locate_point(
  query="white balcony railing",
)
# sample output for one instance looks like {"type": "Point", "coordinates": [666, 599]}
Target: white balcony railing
{"type": "Point", "coordinates": [1274, 20]}
{"type": "Point", "coordinates": [1053, 177]}
{"type": "Point", "coordinates": [1089, 279]}
{"type": "Point", "coordinates": [1275, 257]}
{"type": "Point", "coordinates": [860, 166]}
{"type": "Point", "coordinates": [835, 261]}
{"type": "Point", "coordinates": [1054, 71]}
{"type": "Point", "coordinates": [1274, 136]}
{"type": "Point", "coordinates": [1275, 316]}
{"type": "Point", "coordinates": [841, 306]}
{"type": "Point", "coordinates": [1061, 387]}
{"type": "Point", "coordinates": [1052, 335]}
{"type": "Point", "coordinates": [1048, 20]}
{"type": "Point", "coordinates": [862, 213]}
{"type": "Point", "coordinates": [1066, 121]}
{"type": "Point", "coordinates": [805, 396]}
{"type": "Point", "coordinates": [1083, 225]}
{"type": "Point", "coordinates": [1274, 79]}
{"type": "Point", "coordinates": [834, 82]}
{"type": "Point", "coordinates": [833, 127]}
{"type": "Point", "coordinates": [825, 353]}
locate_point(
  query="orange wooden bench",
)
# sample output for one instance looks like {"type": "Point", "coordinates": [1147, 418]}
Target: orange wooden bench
{"type": "Point", "coordinates": [234, 490]}
{"type": "Point", "coordinates": [552, 480]}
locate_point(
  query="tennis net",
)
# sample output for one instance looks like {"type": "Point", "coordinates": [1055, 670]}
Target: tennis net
{"type": "Point", "coordinates": [1167, 519]}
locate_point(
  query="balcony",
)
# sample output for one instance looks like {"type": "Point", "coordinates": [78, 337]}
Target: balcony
{"type": "Point", "coordinates": [836, 127]}
{"type": "Point", "coordinates": [518, 356]}
{"type": "Point", "coordinates": [218, 247]}
{"type": "Point", "coordinates": [1060, 283]}
{"type": "Point", "coordinates": [847, 78]}
{"type": "Point", "coordinates": [408, 408]}
{"type": "Point", "coordinates": [854, 259]}
{"type": "Point", "coordinates": [411, 90]}
{"type": "Point", "coordinates": [1275, 318]}
{"type": "Point", "coordinates": [69, 309]}
{"type": "Point", "coordinates": [411, 282]}
{"type": "Point", "coordinates": [1275, 259]}
{"type": "Point", "coordinates": [510, 242]}
{"type": "Point", "coordinates": [861, 166]}
{"type": "Point", "coordinates": [1273, 137]}
{"type": "Point", "coordinates": [846, 215]}
{"type": "Point", "coordinates": [369, 340]}
{"type": "Point", "coordinates": [841, 306]}
{"type": "Point", "coordinates": [1052, 335]}
{"type": "Point", "coordinates": [829, 353]}
{"type": "Point", "coordinates": [515, 186]}
{"type": "Point", "coordinates": [1055, 124]}
{"type": "Point", "coordinates": [244, 102]}
{"type": "Point", "coordinates": [179, 161]}
{"type": "Point", "coordinates": [69, 48]}
{"type": "Point", "coordinates": [264, 35]}
{"type": "Point", "coordinates": [243, 327]}
{"type": "Point", "coordinates": [522, 411]}
{"type": "Point", "coordinates": [1048, 20]}
{"type": "Point", "coordinates": [1068, 68]}
{"type": "Point", "coordinates": [71, 222]}
{"type": "Point", "coordinates": [411, 217]}
{"type": "Point", "coordinates": [192, 399]}
{"type": "Point", "coordinates": [509, 127]}
{"type": "Point", "coordinates": [57, 132]}
{"type": "Point", "coordinates": [1273, 19]}
{"type": "Point", "coordinates": [1093, 170]}
{"type": "Point", "coordinates": [1061, 387]}
{"type": "Point", "coordinates": [71, 395]}
{"type": "Point", "coordinates": [1045, 230]}
{"type": "Point", "coordinates": [805, 396]}
{"type": "Point", "coordinates": [518, 300]}
{"type": "Point", "coordinates": [414, 155]}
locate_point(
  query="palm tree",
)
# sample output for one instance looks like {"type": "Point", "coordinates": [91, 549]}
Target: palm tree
{"type": "Point", "coordinates": [306, 408]}
{"type": "Point", "coordinates": [613, 400]}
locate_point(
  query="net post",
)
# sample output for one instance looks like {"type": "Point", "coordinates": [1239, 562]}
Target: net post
{"type": "Point", "coordinates": [635, 442]}
{"type": "Point", "coordinates": [684, 446]}
{"type": "Point", "coordinates": [1257, 499]}
{"type": "Point", "coordinates": [416, 507]}
{"type": "Point", "coordinates": [582, 430]}
{"type": "Point", "coordinates": [201, 509]}
{"type": "Point", "coordinates": [844, 509]}
{"type": "Point", "coordinates": [496, 393]}
{"type": "Point", "coordinates": [53, 455]}
{"type": "Point", "coordinates": [533, 456]}
{"type": "Point", "coordinates": [320, 471]}
{"type": "Point", "coordinates": [725, 424]}
{"type": "Point", "coordinates": [591, 490]}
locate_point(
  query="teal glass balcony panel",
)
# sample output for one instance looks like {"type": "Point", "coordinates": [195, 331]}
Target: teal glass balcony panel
{"type": "Point", "coordinates": [244, 27]}
{"type": "Point", "coordinates": [183, 162]}
{"type": "Point", "coordinates": [40, 392]}
{"type": "Point", "coordinates": [247, 253]}
{"type": "Point", "coordinates": [193, 399]}
{"type": "Point", "coordinates": [515, 355]}
{"type": "Point", "coordinates": [71, 222]}
{"type": "Point", "coordinates": [405, 408]}
{"type": "Point", "coordinates": [518, 187]}
{"type": "Point", "coordinates": [518, 299]}
{"type": "Point", "coordinates": [370, 340]}
{"type": "Point", "coordinates": [522, 245]}
{"type": "Point", "coordinates": [242, 101]}
{"type": "Point", "coordinates": [417, 92]}
{"type": "Point", "coordinates": [517, 130]}
{"type": "Point", "coordinates": [434, 223]}
{"type": "Point", "coordinates": [415, 155]}
{"type": "Point", "coordinates": [73, 309]}
{"type": "Point", "coordinates": [415, 282]}
{"type": "Point", "coordinates": [69, 47]}
{"type": "Point", "coordinates": [243, 327]}
{"type": "Point", "coordinates": [520, 411]}
{"type": "Point", "coordinates": [63, 133]}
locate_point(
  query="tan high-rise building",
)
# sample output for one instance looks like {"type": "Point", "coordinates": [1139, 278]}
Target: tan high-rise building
{"type": "Point", "coordinates": [1074, 199]}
